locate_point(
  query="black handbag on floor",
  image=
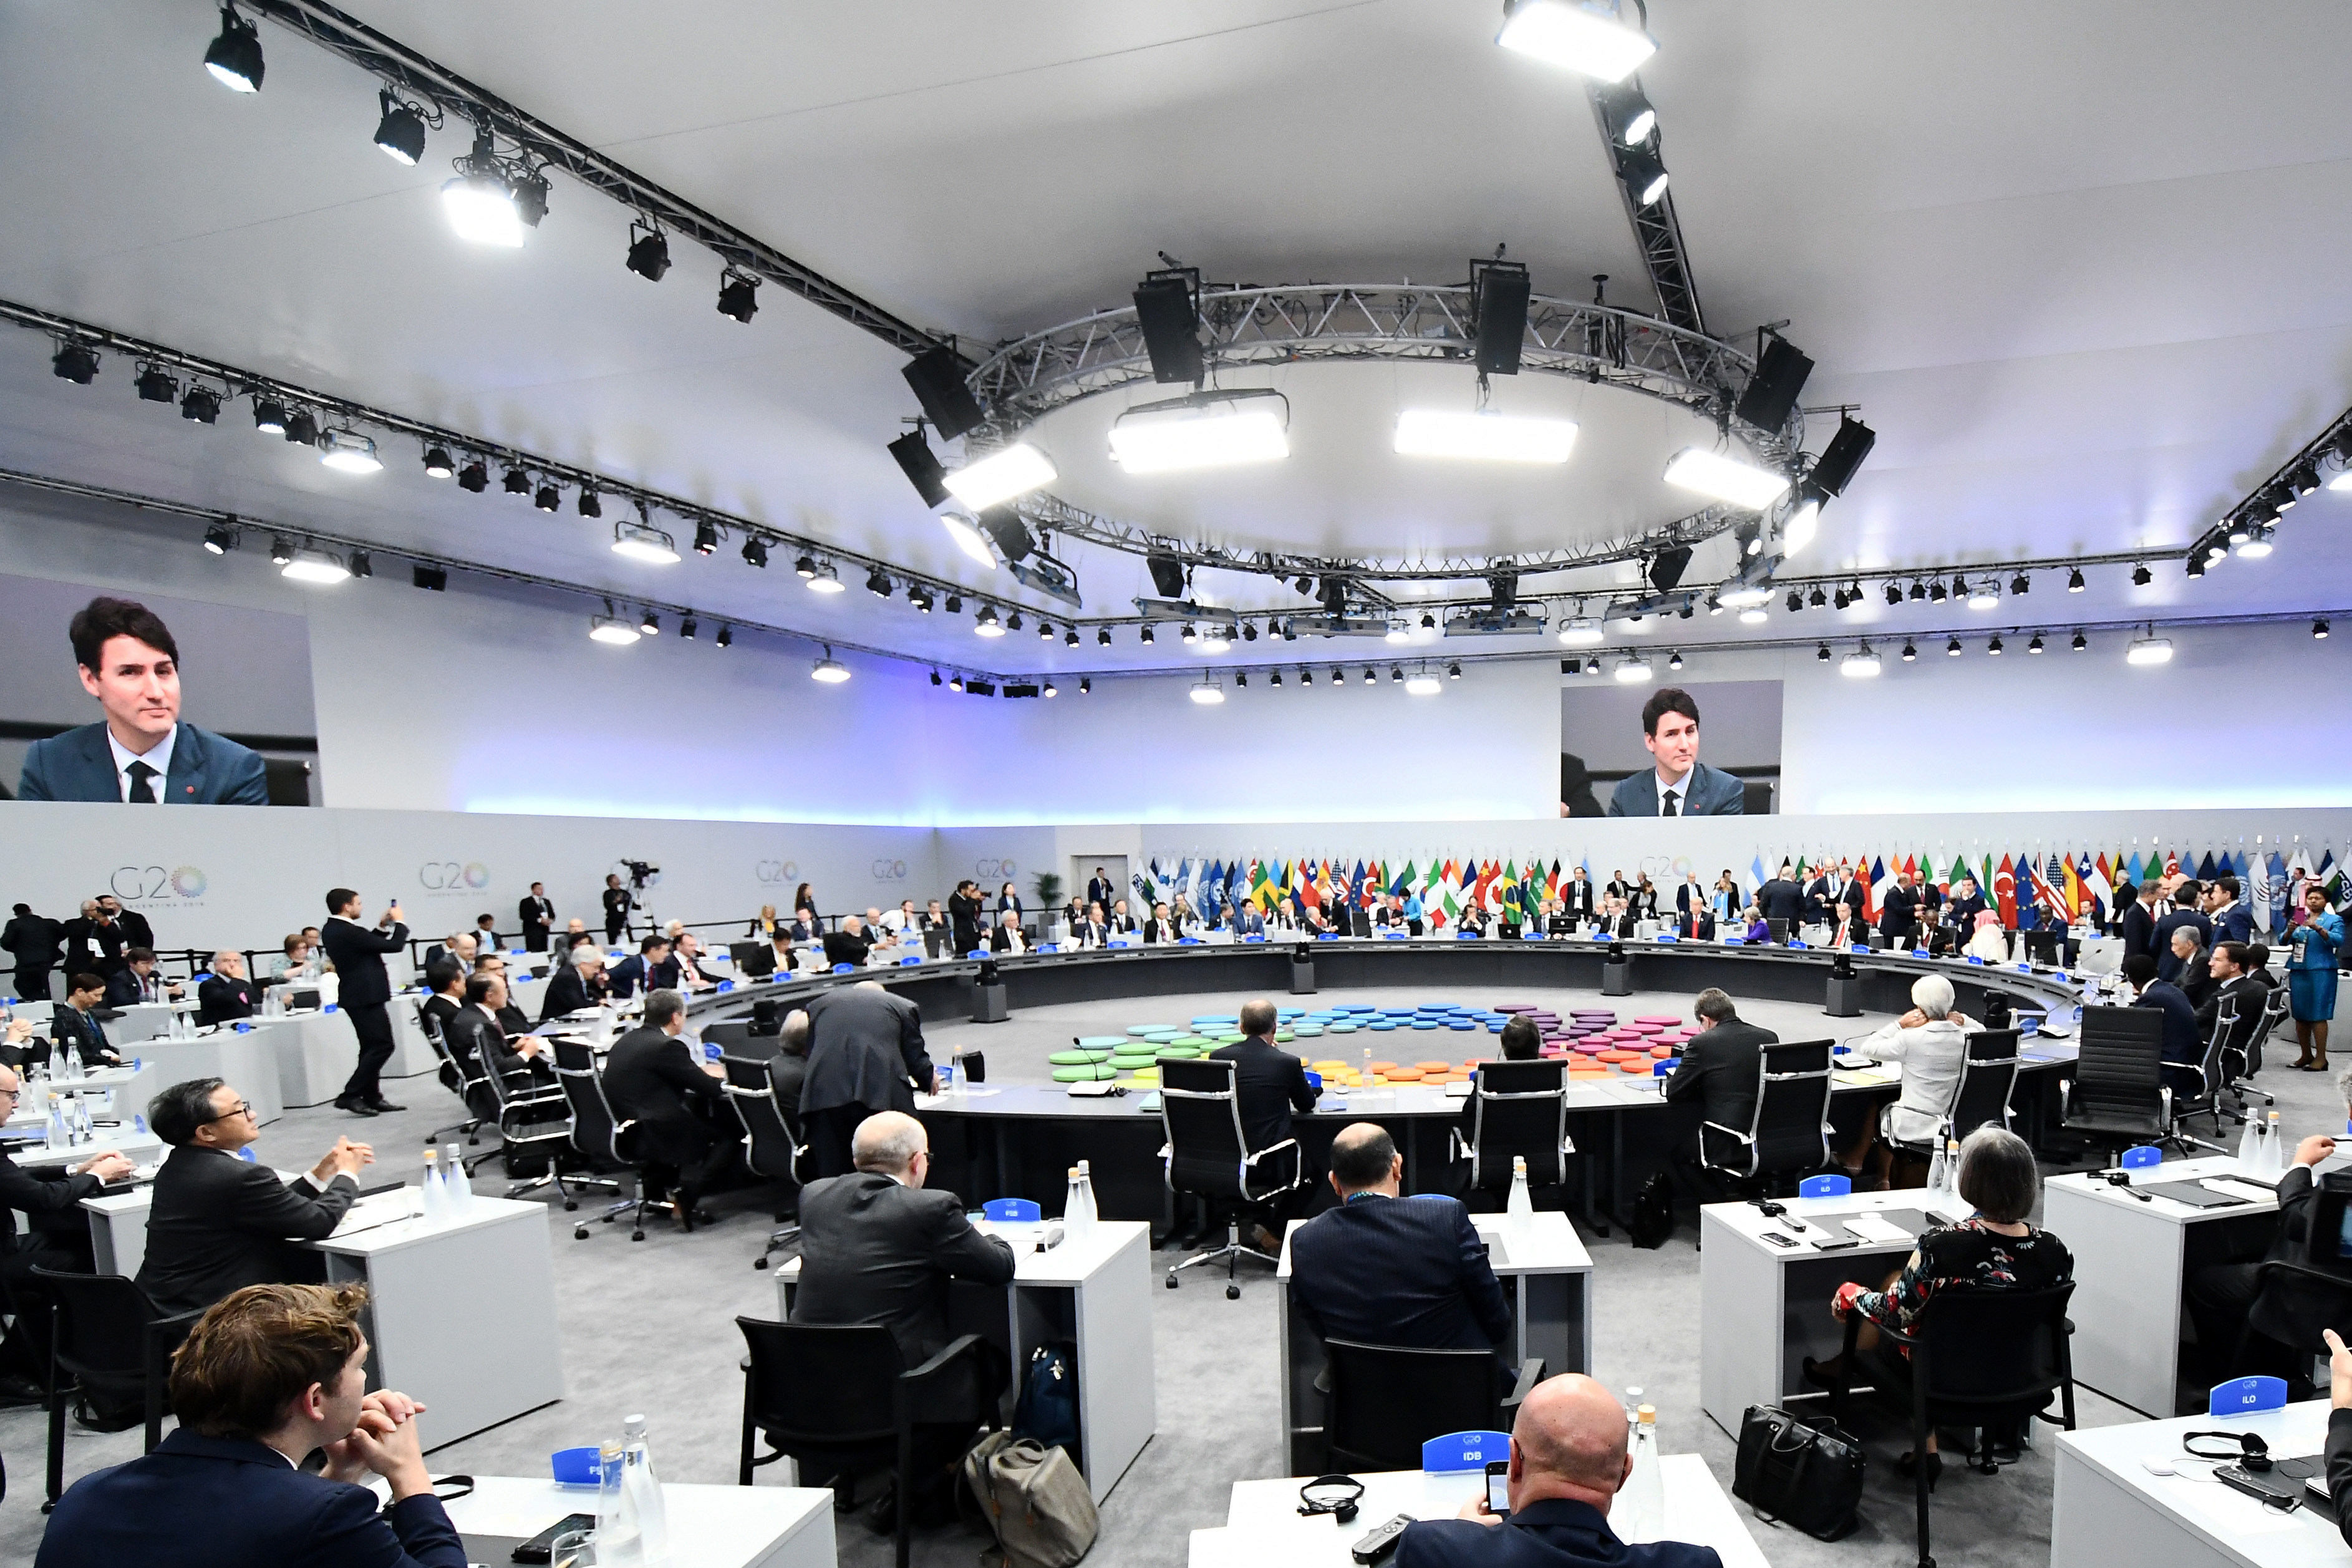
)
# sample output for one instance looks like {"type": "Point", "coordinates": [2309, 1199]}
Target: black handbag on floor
{"type": "Point", "coordinates": [1653, 1217]}
{"type": "Point", "coordinates": [1803, 1473]}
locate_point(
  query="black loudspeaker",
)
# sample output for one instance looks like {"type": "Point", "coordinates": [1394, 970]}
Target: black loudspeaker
{"type": "Point", "coordinates": [1012, 535]}
{"type": "Point", "coordinates": [1666, 567]}
{"type": "Point", "coordinates": [433, 579]}
{"type": "Point", "coordinates": [921, 468]}
{"type": "Point", "coordinates": [1834, 469]}
{"type": "Point", "coordinates": [1499, 294]}
{"type": "Point", "coordinates": [1167, 309]}
{"type": "Point", "coordinates": [1772, 390]}
{"type": "Point", "coordinates": [1167, 575]}
{"type": "Point", "coordinates": [936, 376]}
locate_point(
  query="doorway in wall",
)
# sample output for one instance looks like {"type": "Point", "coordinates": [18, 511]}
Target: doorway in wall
{"type": "Point", "coordinates": [1082, 871]}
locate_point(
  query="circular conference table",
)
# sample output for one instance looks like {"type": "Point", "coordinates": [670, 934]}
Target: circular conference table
{"type": "Point", "coordinates": [1019, 1140]}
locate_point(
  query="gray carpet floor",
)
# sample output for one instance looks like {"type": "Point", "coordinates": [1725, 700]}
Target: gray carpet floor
{"type": "Point", "coordinates": [649, 1328]}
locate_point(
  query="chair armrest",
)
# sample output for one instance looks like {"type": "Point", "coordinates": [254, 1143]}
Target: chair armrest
{"type": "Point", "coordinates": [960, 1346]}
{"type": "Point", "coordinates": [1854, 1321]}
{"type": "Point", "coordinates": [1729, 1132]}
{"type": "Point", "coordinates": [1531, 1372]}
{"type": "Point", "coordinates": [1897, 1336]}
{"type": "Point", "coordinates": [743, 1365]}
{"type": "Point", "coordinates": [1251, 1159]}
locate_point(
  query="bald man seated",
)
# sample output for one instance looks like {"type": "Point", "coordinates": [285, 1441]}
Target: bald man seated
{"type": "Point", "coordinates": [1386, 1270]}
{"type": "Point", "coordinates": [1568, 1458]}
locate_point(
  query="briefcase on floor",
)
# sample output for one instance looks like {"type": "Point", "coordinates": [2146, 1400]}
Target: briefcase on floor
{"type": "Point", "coordinates": [1808, 1474]}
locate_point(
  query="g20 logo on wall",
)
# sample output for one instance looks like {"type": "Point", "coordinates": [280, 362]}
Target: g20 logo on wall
{"type": "Point", "coordinates": [988, 870]}
{"type": "Point", "coordinates": [776, 871]}
{"type": "Point", "coordinates": [147, 884]}
{"type": "Point", "coordinates": [453, 876]}
{"type": "Point", "coordinates": [890, 871]}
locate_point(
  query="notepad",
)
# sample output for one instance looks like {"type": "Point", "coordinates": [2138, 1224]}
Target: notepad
{"type": "Point", "coordinates": [1872, 1227]}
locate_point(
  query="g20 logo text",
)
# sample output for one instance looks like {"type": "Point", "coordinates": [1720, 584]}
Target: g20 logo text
{"type": "Point", "coordinates": [136, 884]}
{"type": "Point", "coordinates": [452, 876]}
{"type": "Point", "coordinates": [890, 871]}
{"type": "Point", "coordinates": [988, 870]}
{"type": "Point", "coordinates": [773, 871]}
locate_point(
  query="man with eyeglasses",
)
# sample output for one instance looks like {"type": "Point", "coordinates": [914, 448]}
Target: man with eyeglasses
{"type": "Point", "coordinates": [50, 1196]}
{"type": "Point", "coordinates": [219, 1222]}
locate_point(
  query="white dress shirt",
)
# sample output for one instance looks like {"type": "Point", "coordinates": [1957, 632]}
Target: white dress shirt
{"type": "Point", "coordinates": [158, 757]}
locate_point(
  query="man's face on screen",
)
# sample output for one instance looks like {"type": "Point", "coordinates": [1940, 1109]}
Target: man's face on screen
{"type": "Point", "coordinates": [1675, 743]}
{"type": "Point", "coordinates": [138, 686]}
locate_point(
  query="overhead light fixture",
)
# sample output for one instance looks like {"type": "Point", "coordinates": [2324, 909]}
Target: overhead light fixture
{"type": "Point", "coordinates": [1893, 596]}
{"type": "Point", "coordinates": [1591, 40]}
{"type": "Point", "coordinates": [1398, 632]}
{"type": "Point", "coordinates": [75, 361]}
{"type": "Point", "coordinates": [348, 452]}
{"type": "Point", "coordinates": [1484, 436]}
{"type": "Point", "coordinates": [1993, 647]}
{"type": "Point", "coordinates": [1205, 430]}
{"type": "Point", "coordinates": [1070, 638]}
{"type": "Point", "coordinates": [1009, 471]}
{"type": "Point", "coordinates": [1952, 649]}
{"type": "Point", "coordinates": [2319, 630]}
{"type": "Point", "coordinates": [2256, 547]}
{"type": "Point", "coordinates": [687, 628]}
{"type": "Point", "coordinates": [829, 670]}
{"type": "Point", "coordinates": [360, 565]}
{"type": "Point", "coordinates": [726, 637]}
{"type": "Point", "coordinates": [475, 477]}
{"type": "Point", "coordinates": [1798, 530]}
{"type": "Point", "coordinates": [648, 250]}
{"type": "Point", "coordinates": [1985, 595]}
{"type": "Point", "coordinates": [1453, 670]}
{"type": "Point", "coordinates": [921, 597]}
{"type": "Point", "coordinates": [612, 629]}
{"type": "Point", "coordinates": [315, 566]}
{"type": "Point", "coordinates": [156, 384]}
{"type": "Point", "coordinates": [399, 130]}
{"type": "Point", "coordinates": [1910, 651]}
{"type": "Point", "coordinates": [1396, 675]}
{"type": "Point", "coordinates": [1744, 595]}
{"type": "Point", "coordinates": [269, 418]}
{"type": "Point", "coordinates": [1644, 173]}
{"type": "Point", "coordinates": [826, 580]}
{"type": "Point", "coordinates": [1144, 634]}
{"type": "Point", "coordinates": [1581, 632]}
{"type": "Point", "coordinates": [1045, 631]}
{"type": "Point", "coordinates": [935, 677]}
{"type": "Point", "coordinates": [1422, 684]}
{"type": "Point", "coordinates": [201, 405]}
{"type": "Point", "coordinates": [2075, 583]}
{"type": "Point", "coordinates": [650, 625]}
{"type": "Point", "coordinates": [879, 583]}
{"type": "Point", "coordinates": [1191, 634]}
{"type": "Point", "coordinates": [281, 549]}
{"type": "Point", "coordinates": [1338, 678]}
{"type": "Point", "coordinates": [1370, 676]}
{"type": "Point", "coordinates": [1725, 478]}
{"type": "Point", "coordinates": [547, 498]}
{"type": "Point", "coordinates": [955, 683]}
{"type": "Point", "coordinates": [739, 295]}
{"type": "Point", "coordinates": [2302, 478]}
{"type": "Point", "coordinates": [1628, 115]}
{"type": "Point", "coordinates": [640, 542]}
{"type": "Point", "coordinates": [1052, 691]}
{"type": "Point", "coordinates": [480, 202]}
{"type": "Point", "coordinates": [969, 538]}
{"type": "Point", "coordinates": [517, 481]}
{"type": "Point", "coordinates": [755, 552]}
{"type": "Point", "coordinates": [234, 57]}
{"type": "Point", "coordinates": [1631, 669]}
{"type": "Point", "coordinates": [986, 624]}
{"type": "Point", "coordinates": [2082, 643]}
{"type": "Point", "coordinates": [706, 534]}
{"type": "Point", "coordinates": [1754, 616]}
{"type": "Point", "coordinates": [1817, 599]}
{"type": "Point", "coordinates": [2141, 576]}
{"type": "Point", "coordinates": [1274, 680]}
{"type": "Point", "coordinates": [1797, 599]}
{"type": "Point", "coordinates": [1860, 665]}
{"type": "Point", "coordinates": [1936, 591]}
{"type": "Point", "coordinates": [1241, 680]}
{"type": "Point", "coordinates": [2149, 650]}
{"type": "Point", "coordinates": [2035, 645]}
{"type": "Point", "coordinates": [1217, 639]}
{"type": "Point", "coordinates": [1208, 693]}
{"type": "Point", "coordinates": [438, 463]}
{"type": "Point", "coordinates": [1821, 654]}
{"type": "Point", "coordinates": [2020, 585]}
{"type": "Point", "coordinates": [220, 538]}
{"type": "Point", "coordinates": [1918, 590]}
{"type": "Point", "coordinates": [1102, 637]}
{"type": "Point", "coordinates": [1085, 685]}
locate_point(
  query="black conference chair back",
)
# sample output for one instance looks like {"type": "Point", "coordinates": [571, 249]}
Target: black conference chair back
{"type": "Point", "coordinates": [2117, 1091]}
{"type": "Point", "coordinates": [731, 1035]}
{"type": "Point", "coordinates": [451, 1071]}
{"type": "Point", "coordinates": [595, 1131]}
{"type": "Point", "coordinates": [1987, 1077]}
{"type": "Point", "coordinates": [1386, 1401]}
{"type": "Point", "coordinates": [1206, 1153]}
{"type": "Point", "coordinates": [106, 1334]}
{"type": "Point", "coordinates": [775, 1147]}
{"type": "Point", "coordinates": [1790, 1133]}
{"type": "Point", "coordinates": [1519, 1109]}
{"type": "Point", "coordinates": [2041, 946]}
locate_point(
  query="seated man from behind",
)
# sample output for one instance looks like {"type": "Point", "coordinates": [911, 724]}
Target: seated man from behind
{"type": "Point", "coordinates": [268, 1377]}
{"type": "Point", "coordinates": [1379, 1270]}
{"type": "Point", "coordinates": [228, 996]}
{"type": "Point", "coordinates": [1522, 1041]}
{"type": "Point", "coordinates": [1568, 1456]}
{"type": "Point", "coordinates": [656, 1080]}
{"type": "Point", "coordinates": [1269, 1083]}
{"type": "Point", "coordinates": [2183, 1048]}
{"type": "Point", "coordinates": [1716, 1077]}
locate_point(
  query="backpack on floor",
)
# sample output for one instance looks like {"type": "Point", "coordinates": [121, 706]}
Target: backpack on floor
{"type": "Point", "coordinates": [1048, 1407]}
{"type": "Point", "coordinates": [1652, 1219]}
{"type": "Point", "coordinates": [1035, 1499]}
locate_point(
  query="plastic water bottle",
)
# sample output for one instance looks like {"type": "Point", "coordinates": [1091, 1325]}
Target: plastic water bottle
{"type": "Point", "coordinates": [1639, 1513]}
{"type": "Point", "coordinates": [1519, 1210]}
{"type": "Point", "coordinates": [69, 1063]}
{"type": "Point", "coordinates": [436, 1196]}
{"type": "Point", "coordinates": [2249, 1145]}
{"type": "Point", "coordinates": [620, 1537]}
{"type": "Point", "coordinates": [644, 1491]}
{"type": "Point", "coordinates": [459, 1187]}
{"type": "Point", "coordinates": [2274, 1153]}
{"type": "Point", "coordinates": [1079, 1208]}
{"type": "Point", "coordinates": [55, 1134]}
{"type": "Point", "coordinates": [80, 1125]}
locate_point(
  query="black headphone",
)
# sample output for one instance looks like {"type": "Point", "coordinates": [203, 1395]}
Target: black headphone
{"type": "Point", "coordinates": [1334, 1495]}
{"type": "Point", "coordinates": [2251, 1453]}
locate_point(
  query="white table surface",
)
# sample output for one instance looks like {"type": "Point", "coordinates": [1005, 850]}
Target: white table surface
{"type": "Point", "coordinates": [1262, 1528]}
{"type": "Point", "coordinates": [2108, 1508]}
{"type": "Point", "coordinates": [709, 1526]}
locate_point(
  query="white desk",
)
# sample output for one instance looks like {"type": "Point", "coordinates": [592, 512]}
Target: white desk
{"type": "Point", "coordinates": [1094, 1291]}
{"type": "Point", "coordinates": [2106, 1507]}
{"type": "Point", "coordinates": [140, 1147]}
{"type": "Point", "coordinates": [1763, 1308]}
{"type": "Point", "coordinates": [1263, 1529]}
{"type": "Point", "coordinates": [142, 1021]}
{"type": "Point", "coordinates": [246, 1062]}
{"type": "Point", "coordinates": [2129, 1256]}
{"type": "Point", "coordinates": [1547, 1279]}
{"type": "Point", "coordinates": [709, 1526]}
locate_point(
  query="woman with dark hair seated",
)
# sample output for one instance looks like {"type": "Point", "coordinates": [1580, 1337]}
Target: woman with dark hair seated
{"type": "Point", "coordinates": [1993, 1250]}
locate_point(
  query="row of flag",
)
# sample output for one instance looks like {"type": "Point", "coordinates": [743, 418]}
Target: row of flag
{"type": "Point", "coordinates": [2030, 888]}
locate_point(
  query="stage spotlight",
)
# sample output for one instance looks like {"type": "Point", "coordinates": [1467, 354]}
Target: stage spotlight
{"type": "Point", "coordinates": [2082, 643]}
{"type": "Point", "coordinates": [640, 542]}
{"type": "Point", "coordinates": [1936, 591]}
{"type": "Point", "coordinates": [806, 566]}
{"type": "Point", "coordinates": [481, 203]}
{"type": "Point", "coordinates": [269, 418]}
{"type": "Point", "coordinates": [1844, 598]}
{"type": "Point", "coordinates": [1993, 647]}
{"type": "Point", "coordinates": [1952, 649]}
{"type": "Point", "coordinates": [1780, 374]}
{"type": "Point", "coordinates": [2303, 479]}
{"type": "Point", "coordinates": [517, 481]}
{"type": "Point", "coordinates": [302, 427]}
{"type": "Point", "coordinates": [1918, 590]}
{"type": "Point", "coordinates": [1103, 637]}
{"type": "Point", "coordinates": [432, 579]}
{"type": "Point", "coordinates": [2141, 576]}
{"type": "Point", "coordinates": [234, 58]}
{"type": "Point", "coordinates": [921, 467]}
{"type": "Point", "coordinates": [1144, 635]}
{"type": "Point", "coordinates": [986, 624]}
{"type": "Point", "coordinates": [1249, 631]}
{"type": "Point", "coordinates": [920, 597]}
{"type": "Point", "coordinates": [755, 552]}
{"type": "Point", "coordinates": [1085, 685]}
{"type": "Point", "coordinates": [2195, 567]}
{"type": "Point", "coordinates": [1797, 530]}
{"type": "Point", "coordinates": [474, 476]}
{"type": "Point", "coordinates": [826, 580]}
{"type": "Point", "coordinates": [2319, 630]}
{"type": "Point", "coordinates": [1045, 631]}
{"type": "Point", "coordinates": [1274, 680]}
{"type": "Point", "coordinates": [2075, 583]}
{"type": "Point", "coordinates": [1168, 311]}
{"type": "Point", "coordinates": [1644, 175]}
{"type": "Point", "coordinates": [220, 538]}
{"type": "Point", "coordinates": [1821, 654]}
{"type": "Point", "coordinates": [935, 376]}
{"type": "Point", "coordinates": [1589, 40]}
{"type": "Point", "coordinates": [1370, 678]}
{"type": "Point", "coordinates": [2020, 585]}
{"type": "Point", "coordinates": [2257, 546]}
{"type": "Point", "coordinates": [315, 566]}
{"type": "Point", "coordinates": [399, 130]}
{"type": "Point", "coordinates": [437, 464]}
{"type": "Point", "coordinates": [348, 452]}
{"type": "Point", "coordinates": [547, 498]}
{"type": "Point", "coordinates": [1012, 622]}
{"type": "Point", "coordinates": [687, 627]}
{"type": "Point", "coordinates": [648, 250]}
{"type": "Point", "coordinates": [1396, 675]}
{"type": "Point", "coordinates": [1304, 585]}
{"type": "Point", "coordinates": [1191, 634]}
{"type": "Point", "coordinates": [1797, 599]}
{"type": "Point", "coordinates": [1499, 291]}
{"type": "Point", "coordinates": [2149, 650]}
{"type": "Point", "coordinates": [1453, 670]}
{"type": "Point", "coordinates": [739, 295]}
{"type": "Point", "coordinates": [201, 406]}
{"type": "Point", "coordinates": [156, 384]}
{"type": "Point", "coordinates": [1628, 115]}
{"type": "Point", "coordinates": [1725, 478]}
{"type": "Point", "coordinates": [1052, 691]}
{"type": "Point", "coordinates": [650, 625]}
{"type": "Point", "coordinates": [706, 532]}
{"type": "Point", "coordinates": [955, 683]}
{"type": "Point", "coordinates": [75, 362]}
{"type": "Point", "coordinates": [1290, 632]}
{"type": "Point", "coordinates": [281, 549]}
{"type": "Point", "coordinates": [1583, 631]}
{"type": "Point", "coordinates": [1910, 650]}
{"type": "Point", "coordinates": [1674, 660]}
{"type": "Point", "coordinates": [1819, 598]}
{"type": "Point", "coordinates": [726, 637]}
{"type": "Point", "coordinates": [1001, 474]}
{"type": "Point", "coordinates": [829, 670]}
{"type": "Point", "coordinates": [879, 583]}
{"type": "Point", "coordinates": [1985, 595]}
{"type": "Point", "coordinates": [1893, 596]}
{"type": "Point", "coordinates": [2035, 645]}
{"type": "Point", "coordinates": [1070, 638]}
{"type": "Point", "coordinates": [935, 677]}
{"type": "Point", "coordinates": [1217, 639]}
{"type": "Point", "coordinates": [360, 565]}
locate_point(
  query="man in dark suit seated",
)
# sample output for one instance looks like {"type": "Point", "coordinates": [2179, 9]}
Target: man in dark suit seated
{"type": "Point", "coordinates": [579, 985]}
{"type": "Point", "coordinates": [1379, 1270]}
{"type": "Point", "coordinates": [788, 1070]}
{"type": "Point", "coordinates": [635, 972]}
{"type": "Point", "coordinates": [1695, 925]}
{"type": "Point", "coordinates": [137, 980]}
{"type": "Point", "coordinates": [877, 1247]}
{"type": "Point", "coordinates": [1159, 928]}
{"type": "Point", "coordinates": [866, 1055]}
{"type": "Point", "coordinates": [1568, 1456]}
{"type": "Point", "coordinates": [50, 1196]}
{"type": "Point", "coordinates": [1091, 930]}
{"type": "Point", "coordinates": [2247, 1326]}
{"type": "Point", "coordinates": [267, 1377]}
{"type": "Point", "coordinates": [511, 1018]}
{"type": "Point", "coordinates": [228, 995]}
{"type": "Point", "coordinates": [76, 1027]}
{"type": "Point", "coordinates": [219, 1222]}
{"type": "Point", "coordinates": [2183, 1046]}
{"type": "Point", "coordinates": [1269, 1083]}
{"type": "Point", "coordinates": [1848, 929]}
{"type": "Point", "coordinates": [655, 1079]}
{"type": "Point", "coordinates": [445, 980]}
{"type": "Point", "coordinates": [478, 1039]}
{"type": "Point", "coordinates": [1718, 1075]}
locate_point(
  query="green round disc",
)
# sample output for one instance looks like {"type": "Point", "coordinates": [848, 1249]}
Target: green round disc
{"type": "Point", "coordinates": [1090, 1073]}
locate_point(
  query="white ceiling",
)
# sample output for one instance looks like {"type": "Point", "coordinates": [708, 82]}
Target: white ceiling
{"type": "Point", "coordinates": [2079, 264]}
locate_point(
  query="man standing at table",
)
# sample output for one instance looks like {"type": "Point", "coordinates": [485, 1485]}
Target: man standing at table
{"type": "Point", "coordinates": [1678, 784]}
{"type": "Point", "coordinates": [1898, 913]}
{"type": "Point", "coordinates": [357, 952]}
{"type": "Point", "coordinates": [1100, 890]}
{"type": "Point", "coordinates": [866, 1056]}
{"type": "Point", "coordinates": [32, 940]}
{"type": "Point", "coordinates": [537, 913]}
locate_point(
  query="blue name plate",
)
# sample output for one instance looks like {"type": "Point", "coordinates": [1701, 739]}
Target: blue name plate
{"type": "Point", "coordinates": [1974, 959]}
{"type": "Point", "coordinates": [1188, 941]}
{"type": "Point", "coordinates": [1118, 941]}
{"type": "Point", "coordinates": [910, 958]}
{"type": "Point", "coordinates": [1825, 1187]}
{"type": "Point", "coordinates": [1327, 936]}
{"type": "Point", "coordinates": [2246, 1395]}
{"type": "Point", "coordinates": [2141, 1157]}
{"type": "Point", "coordinates": [1666, 936]}
{"type": "Point", "coordinates": [1797, 943]}
{"type": "Point", "coordinates": [1254, 936]}
{"type": "Point", "coordinates": [1459, 1451]}
{"type": "Point", "coordinates": [1919, 953]}
{"type": "Point", "coordinates": [727, 985]}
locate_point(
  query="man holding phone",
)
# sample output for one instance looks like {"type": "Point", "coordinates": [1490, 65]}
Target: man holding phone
{"type": "Point", "coordinates": [357, 952]}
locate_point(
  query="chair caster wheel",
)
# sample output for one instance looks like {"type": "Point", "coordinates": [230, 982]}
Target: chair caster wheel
{"type": "Point", "coordinates": [759, 1263]}
{"type": "Point", "coordinates": [637, 1235]}
{"type": "Point", "coordinates": [570, 1204]}
{"type": "Point", "coordinates": [1233, 1292]}
{"type": "Point", "coordinates": [1172, 1279]}
{"type": "Point", "coordinates": [579, 1233]}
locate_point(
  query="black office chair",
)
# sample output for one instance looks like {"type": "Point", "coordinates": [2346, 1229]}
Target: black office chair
{"type": "Point", "coordinates": [1780, 930]}
{"type": "Point", "coordinates": [530, 1121]}
{"type": "Point", "coordinates": [2041, 947]}
{"type": "Point", "coordinates": [2212, 1082]}
{"type": "Point", "coordinates": [1788, 1135]}
{"type": "Point", "coordinates": [1987, 1077]}
{"type": "Point", "coordinates": [106, 1336]}
{"type": "Point", "coordinates": [2241, 1057]}
{"type": "Point", "coordinates": [776, 1151]}
{"type": "Point", "coordinates": [1386, 1401]}
{"type": "Point", "coordinates": [2117, 1097]}
{"type": "Point", "coordinates": [1518, 1109]}
{"type": "Point", "coordinates": [840, 1398]}
{"type": "Point", "coordinates": [601, 1137]}
{"type": "Point", "coordinates": [1207, 1156]}
{"type": "Point", "coordinates": [731, 1035]}
{"type": "Point", "coordinates": [451, 1073]}
{"type": "Point", "coordinates": [1984, 1360]}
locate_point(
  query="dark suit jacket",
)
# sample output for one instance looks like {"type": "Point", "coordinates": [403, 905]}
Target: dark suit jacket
{"type": "Point", "coordinates": [2251, 994]}
{"type": "Point", "coordinates": [786, 1074]}
{"type": "Point", "coordinates": [220, 999]}
{"type": "Point", "coordinates": [475, 1038]}
{"type": "Point", "coordinates": [844, 947]}
{"type": "Point", "coordinates": [1898, 913]}
{"type": "Point", "coordinates": [568, 993]}
{"type": "Point", "coordinates": [43, 1190]}
{"type": "Point", "coordinates": [1554, 1533]}
{"type": "Point", "coordinates": [2138, 929]}
{"type": "Point", "coordinates": [357, 952]}
{"type": "Point", "coordinates": [863, 1049]}
{"type": "Point", "coordinates": [2182, 1042]}
{"type": "Point", "coordinates": [1270, 1083]}
{"type": "Point", "coordinates": [219, 1224]}
{"type": "Point", "coordinates": [2290, 1311]}
{"type": "Point", "coordinates": [2235, 923]}
{"type": "Point", "coordinates": [651, 1078]}
{"type": "Point", "coordinates": [1819, 897]}
{"type": "Point", "coordinates": [1961, 913]}
{"type": "Point", "coordinates": [218, 1502]}
{"type": "Point", "coordinates": [1700, 927]}
{"type": "Point", "coordinates": [84, 1033]}
{"type": "Point", "coordinates": [1718, 1070]}
{"type": "Point", "coordinates": [1711, 793]}
{"type": "Point", "coordinates": [1781, 900]}
{"type": "Point", "coordinates": [206, 770]}
{"type": "Point", "coordinates": [1398, 1271]}
{"type": "Point", "coordinates": [875, 1252]}
{"type": "Point", "coordinates": [93, 947]}
{"type": "Point", "coordinates": [1159, 931]}
{"type": "Point", "coordinates": [123, 988]}
{"type": "Point", "coordinates": [34, 941]}
{"type": "Point", "coordinates": [535, 914]}
{"type": "Point", "coordinates": [2168, 963]}
{"type": "Point", "coordinates": [1578, 898]}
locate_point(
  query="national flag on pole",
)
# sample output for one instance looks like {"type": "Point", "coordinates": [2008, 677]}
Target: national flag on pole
{"type": "Point", "coordinates": [1758, 876]}
{"type": "Point", "coordinates": [2004, 892]}
{"type": "Point", "coordinates": [2072, 888]}
{"type": "Point", "coordinates": [1877, 881]}
{"type": "Point", "coordinates": [2100, 889]}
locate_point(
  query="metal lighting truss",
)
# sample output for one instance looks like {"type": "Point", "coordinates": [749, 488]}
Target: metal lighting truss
{"type": "Point", "coordinates": [1657, 232]}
